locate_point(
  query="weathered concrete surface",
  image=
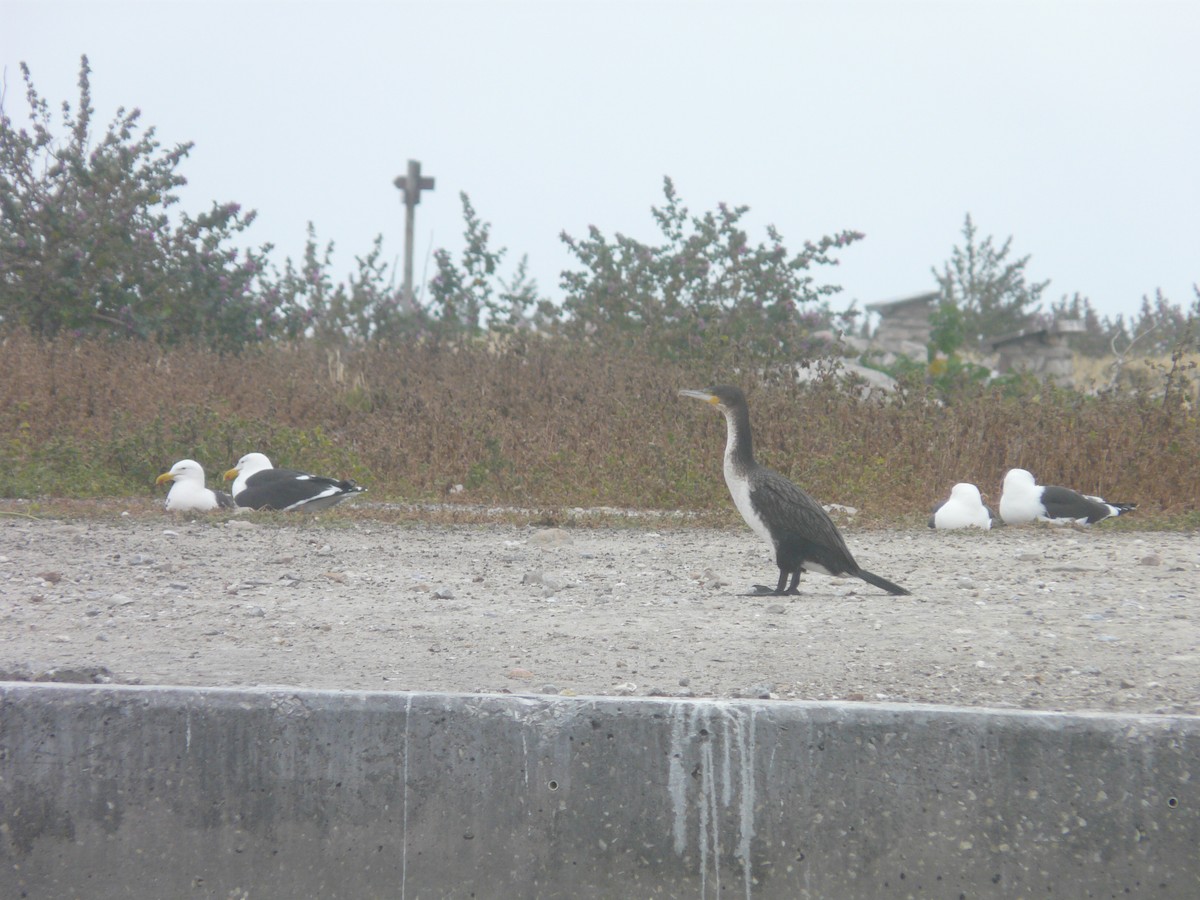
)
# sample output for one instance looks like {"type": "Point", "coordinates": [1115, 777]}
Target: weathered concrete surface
{"type": "Point", "coordinates": [168, 792]}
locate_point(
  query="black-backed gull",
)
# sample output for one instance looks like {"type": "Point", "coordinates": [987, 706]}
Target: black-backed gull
{"type": "Point", "coordinates": [259, 485]}
{"type": "Point", "coordinates": [1024, 500]}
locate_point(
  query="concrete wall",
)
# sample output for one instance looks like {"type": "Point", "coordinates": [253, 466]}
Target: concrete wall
{"type": "Point", "coordinates": [252, 794]}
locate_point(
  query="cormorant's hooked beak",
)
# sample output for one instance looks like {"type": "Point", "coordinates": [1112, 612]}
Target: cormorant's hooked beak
{"type": "Point", "coordinates": [706, 396]}
{"type": "Point", "coordinates": [164, 478]}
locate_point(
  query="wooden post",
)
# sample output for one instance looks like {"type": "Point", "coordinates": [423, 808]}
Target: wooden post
{"type": "Point", "coordinates": [411, 184]}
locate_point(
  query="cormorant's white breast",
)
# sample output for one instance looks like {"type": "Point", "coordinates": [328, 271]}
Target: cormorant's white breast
{"type": "Point", "coordinates": [258, 485]}
{"type": "Point", "coordinates": [797, 527]}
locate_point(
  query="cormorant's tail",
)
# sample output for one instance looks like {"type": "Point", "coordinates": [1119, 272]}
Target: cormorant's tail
{"type": "Point", "coordinates": [872, 578]}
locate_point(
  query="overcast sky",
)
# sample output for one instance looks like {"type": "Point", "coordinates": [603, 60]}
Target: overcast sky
{"type": "Point", "coordinates": [1073, 127]}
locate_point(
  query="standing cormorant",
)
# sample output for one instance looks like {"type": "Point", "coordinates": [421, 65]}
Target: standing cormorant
{"type": "Point", "coordinates": [1023, 500]}
{"type": "Point", "coordinates": [803, 535]}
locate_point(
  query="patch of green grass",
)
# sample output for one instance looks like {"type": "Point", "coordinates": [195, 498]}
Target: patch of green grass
{"type": "Point", "coordinates": [129, 459]}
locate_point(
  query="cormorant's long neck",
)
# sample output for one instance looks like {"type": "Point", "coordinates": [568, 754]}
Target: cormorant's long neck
{"type": "Point", "coordinates": [739, 446]}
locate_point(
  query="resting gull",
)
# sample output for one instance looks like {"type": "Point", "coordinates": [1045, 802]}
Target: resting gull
{"type": "Point", "coordinates": [188, 492]}
{"type": "Point", "coordinates": [1024, 500]}
{"type": "Point", "coordinates": [259, 485]}
{"type": "Point", "coordinates": [964, 509]}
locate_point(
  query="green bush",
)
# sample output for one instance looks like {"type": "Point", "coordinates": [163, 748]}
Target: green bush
{"type": "Point", "coordinates": [704, 289]}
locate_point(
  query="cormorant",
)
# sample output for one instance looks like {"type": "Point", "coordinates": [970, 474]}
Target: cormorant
{"type": "Point", "coordinates": [188, 492]}
{"type": "Point", "coordinates": [258, 485]}
{"type": "Point", "coordinates": [801, 532]}
{"type": "Point", "coordinates": [1024, 500]}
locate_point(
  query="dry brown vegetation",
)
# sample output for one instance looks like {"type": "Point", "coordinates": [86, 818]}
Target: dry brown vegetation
{"type": "Point", "coordinates": [1134, 373]}
{"type": "Point", "coordinates": [547, 424]}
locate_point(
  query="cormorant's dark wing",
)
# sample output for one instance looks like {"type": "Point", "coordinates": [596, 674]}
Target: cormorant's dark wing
{"type": "Point", "coordinates": [1064, 503]}
{"type": "Point", "coordinates": [786, 506]}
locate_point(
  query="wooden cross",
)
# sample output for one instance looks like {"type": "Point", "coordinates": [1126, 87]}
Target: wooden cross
{"type": "Point", "coordinates": [411, 185]}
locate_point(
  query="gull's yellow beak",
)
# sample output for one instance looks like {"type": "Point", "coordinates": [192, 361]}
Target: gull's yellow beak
{"type": "Point", "coordinates": [231, 474]}
{"type": "Point", "coordinates": [164, 478]}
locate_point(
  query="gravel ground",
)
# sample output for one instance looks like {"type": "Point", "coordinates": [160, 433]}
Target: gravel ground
{"type": "Point", "coordinates": [1033, 617]}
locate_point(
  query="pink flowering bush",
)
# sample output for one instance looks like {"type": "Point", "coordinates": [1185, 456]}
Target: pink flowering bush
{"type": "Point", "coordinates": [90, 243]}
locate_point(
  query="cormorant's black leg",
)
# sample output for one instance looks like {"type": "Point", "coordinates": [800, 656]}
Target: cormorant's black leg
{"type": "Point", "coordinates": [794, 587]}
{"type": "Point", "coordinates": [782, 587]}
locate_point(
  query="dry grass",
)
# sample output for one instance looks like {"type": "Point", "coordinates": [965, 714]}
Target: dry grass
{"type": "Point", "coordinates": [1136, 373]}
{"type": "Point", "coordinates": [549, 427]}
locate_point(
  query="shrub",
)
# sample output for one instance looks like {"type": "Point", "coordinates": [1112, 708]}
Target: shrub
{"type": "Point", "coordinates": [704, 289]}
{"type": "Point", "coordinates": [986, 287]}
{"type": "Point", "coordinates": [89, 244]}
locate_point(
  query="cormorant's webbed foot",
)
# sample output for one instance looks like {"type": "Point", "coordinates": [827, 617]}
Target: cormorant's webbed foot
{"type": "Point", "coordinates": [782, 589]}
{"type": "Point", "coordinates": [792, 587]}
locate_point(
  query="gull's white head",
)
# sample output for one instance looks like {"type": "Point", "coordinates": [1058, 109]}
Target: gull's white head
{"type": "Point", "coordinates": [966, 493]}
{"type": "Point", "coordinates": [248, 465]}
{"type": "Point", "coordinates": [188, 491]}
{"type": "Point", "coordinates": [185, 471]}
{"type": "Point", "coordinates": [1020, 500]}
{"type": "Point", "coordinates": [1017, 479]}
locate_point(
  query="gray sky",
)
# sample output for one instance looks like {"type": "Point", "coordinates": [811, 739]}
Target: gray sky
{"type": "Point", "coordinates": [1074, 127]}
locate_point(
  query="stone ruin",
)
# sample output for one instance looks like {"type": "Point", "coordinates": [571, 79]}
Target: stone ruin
{"type": "Point", "coordinates": [904, 329]}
